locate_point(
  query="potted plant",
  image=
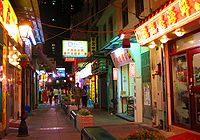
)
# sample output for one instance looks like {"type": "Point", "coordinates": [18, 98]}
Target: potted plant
{"type": "Point", "coordinates": [72, 106]}
{"type": "Point", "coordinates": [23, 60]}
{"type": "Point", "coordinates": [66, 100]}
{"type": "Point", "coordinates": [23, 57]}
{"type": "Point", "coordinates": [144, 134]}
{"type": "Point", "coordinates": [84, 119]}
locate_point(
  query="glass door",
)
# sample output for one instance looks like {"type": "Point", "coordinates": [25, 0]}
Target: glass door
{"type": "Point", "coordinates": [181, 99]}
{"type": "Point", "coordinates": [194, 87]}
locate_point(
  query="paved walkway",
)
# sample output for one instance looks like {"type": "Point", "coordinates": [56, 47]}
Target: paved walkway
{"type": "Point", "coordinates": [51, 123]}
{"type": "Point", "coordinates": [47, 123]}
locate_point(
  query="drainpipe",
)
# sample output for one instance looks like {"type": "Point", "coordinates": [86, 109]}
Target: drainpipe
{"type": "Point", "coordinates": [164, 85]}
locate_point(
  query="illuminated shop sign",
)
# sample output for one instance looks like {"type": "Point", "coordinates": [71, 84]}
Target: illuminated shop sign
{"type": "Point", "coordinates": [115, 73]}
{"type": "Point", "coordinates": [69, 59]}
{"type": "Point", "coordinates": [75, 49]}
{"type": "Point", "coordinates": [9, 19]}
{"type": "Point", "coordinates": [175, 15]}
{"type": "Point", "coordinates": [121, 57]}
{"type": "Point", "coordinates": [87, 71]}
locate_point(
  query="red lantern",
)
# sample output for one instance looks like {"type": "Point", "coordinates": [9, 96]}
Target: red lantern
{"type": "Point", "coordinates": [126, 43]}
{"type": "Point", "coordinates": [24, 63]}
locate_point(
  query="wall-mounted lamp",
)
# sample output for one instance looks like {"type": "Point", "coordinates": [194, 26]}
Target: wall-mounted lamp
{"type": "Point", "coordinates": [164, 39]}
{"type": "Point", "coordinates": [152, 45]}
{"type": "Point", "coordinates": [179, 32]}
{"type": "Point", "coordinates": [157, 71]}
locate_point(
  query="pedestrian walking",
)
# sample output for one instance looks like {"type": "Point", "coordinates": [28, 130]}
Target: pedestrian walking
{"type": "Point", "coordinates": [84, 96]}
{"type": "Point", "coordinates": [56, 96]}
{"type": "Point", "coordinates": [60, 95]}
{"type": "Point", "coordinates": [44, 96]}
{"type": "Point", "coordinates": [77, 95]}
{"type": "Point", "coordinates": [51, 96]}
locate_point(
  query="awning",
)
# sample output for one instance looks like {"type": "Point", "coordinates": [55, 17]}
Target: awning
{"type": "Point", "coordinates": [115, 43]}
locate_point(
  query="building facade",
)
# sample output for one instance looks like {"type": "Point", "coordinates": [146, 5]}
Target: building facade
{"type": "Point", "coordinates": [174, 62]}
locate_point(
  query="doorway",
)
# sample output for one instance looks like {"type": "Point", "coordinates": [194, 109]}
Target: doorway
{"type": "Point", "coordinates": [186, 89]}
{"type": "Point", "coordinates": [194, 87]}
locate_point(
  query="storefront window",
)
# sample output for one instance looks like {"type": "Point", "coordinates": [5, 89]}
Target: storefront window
{"type": "Point", "coordinates": [180, 90]}
{"type": "Point", "coordinates": [196, 69]}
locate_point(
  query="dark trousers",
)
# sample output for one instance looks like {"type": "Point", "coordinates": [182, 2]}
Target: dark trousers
{"type": "Point", "coordinates": [84, 101]}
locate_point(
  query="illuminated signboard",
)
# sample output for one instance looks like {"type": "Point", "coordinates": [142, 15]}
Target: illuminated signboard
{"type": "Point", "coordinates": [69, 60]}
{"type": "Point", "coordinates": [75, 49]}
{"type": "Point", "coordinates": [121, 57]}
{"type": "Point", "coordinates": [175, 15]}
{"type": "Point", "coordinates": [9, 19]}
{"type": "Point", "coordinates": [115, 73]}
{"type": "Point", "coordinates": [60, 72]}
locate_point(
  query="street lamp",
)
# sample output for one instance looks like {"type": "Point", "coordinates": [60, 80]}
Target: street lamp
{"type": "Point", "coordinates": [24, 31]}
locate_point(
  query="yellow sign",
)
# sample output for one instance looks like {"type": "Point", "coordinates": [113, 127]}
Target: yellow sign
{"type": "Point", "coordinates": [9, 19]}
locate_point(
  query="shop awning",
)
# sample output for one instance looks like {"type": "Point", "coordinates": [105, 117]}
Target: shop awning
{"type": "Point", "coordinates": [115, 43]}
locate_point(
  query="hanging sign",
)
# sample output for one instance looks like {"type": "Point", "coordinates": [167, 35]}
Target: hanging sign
{"type": "Point", "coordinates": [121, 57]}
{"type": "Point", "coordinates": [115, 73]}
{"type": "Point", "coordinates": [132, 69]}
{"type": "Point", "coordinates": [173, 16]}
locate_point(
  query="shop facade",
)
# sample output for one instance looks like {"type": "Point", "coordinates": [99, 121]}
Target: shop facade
{"type": "Point", "coordinates": [101, 83]}
{"type": "Point", "coordinates": [9, 71]}
{"type": "Point", "coordinates": [127, 75]}
{"type": "Point", "coordinates": [173, 35]}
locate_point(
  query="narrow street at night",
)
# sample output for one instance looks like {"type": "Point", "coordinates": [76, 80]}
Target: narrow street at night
{"type": "Point", "coordinates": [100, 69]}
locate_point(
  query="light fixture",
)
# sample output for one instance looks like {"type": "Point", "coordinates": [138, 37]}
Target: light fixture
{"type": "Point", "coordinates": [24, 31]}
{"type": "Point", "coordinates": [152, 45]}
{"type": "Point", "coordinates": [164, 39]}
{"type": "Point", "coordinates": [179, 32]}
{"type": "Point", "coordinates": [122, 35]}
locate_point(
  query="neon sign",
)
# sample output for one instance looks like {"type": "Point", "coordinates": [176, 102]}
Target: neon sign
{"type": "Point", "coordinates": [9, 19]}
{"type": "Point", "coordinates": [175, 15]}
{"type": "Point", "coordinates": [75, 49]}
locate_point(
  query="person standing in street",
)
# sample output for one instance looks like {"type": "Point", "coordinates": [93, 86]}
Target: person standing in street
{"type": "Point", "coordinates": [84, 96]}
{"type": "Point", "coordinates": [51, 95]}
{"type": "Point", "coordinates": [56, 96]}
{"type": "Point", "coordinates": [77, 95]}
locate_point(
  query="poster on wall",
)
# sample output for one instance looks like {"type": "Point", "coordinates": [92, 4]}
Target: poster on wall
{"type": "Point", "coordinates": [147, 95]}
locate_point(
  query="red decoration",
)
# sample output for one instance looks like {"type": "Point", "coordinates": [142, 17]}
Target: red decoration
{"type": "Point", "coordinates": [126, 43]}
{"type": "Point", "coordinates": [24, 63]}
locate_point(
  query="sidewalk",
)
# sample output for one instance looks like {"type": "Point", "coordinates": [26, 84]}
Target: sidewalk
{"type": "Point", "coordinates": [47, 123]}
{"type": "Point", "coordinates": [51, 123]}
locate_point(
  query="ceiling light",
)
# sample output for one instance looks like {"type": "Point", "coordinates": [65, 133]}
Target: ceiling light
{"type": "Point", "coordinates": [164, 39]}
{"type": "Point", "coordinates": [152, 45]}
{"type": "Point", "coordinates": [179, 32]}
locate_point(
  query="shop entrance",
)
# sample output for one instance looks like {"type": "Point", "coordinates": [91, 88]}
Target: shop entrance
{"type": "Point", "coordinates": [194, 87]}
{"type": "Point", "coordinates": [186, 89]}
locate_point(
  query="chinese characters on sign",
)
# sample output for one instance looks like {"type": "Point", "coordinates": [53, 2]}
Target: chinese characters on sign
{"type": "Point", "coordinates": [75, 49]}
{"type": "Point", "coordinates": [173, 16]}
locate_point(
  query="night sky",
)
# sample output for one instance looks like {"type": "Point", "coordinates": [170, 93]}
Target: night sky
{"type": "Point", "coordinates": [53, 16]}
